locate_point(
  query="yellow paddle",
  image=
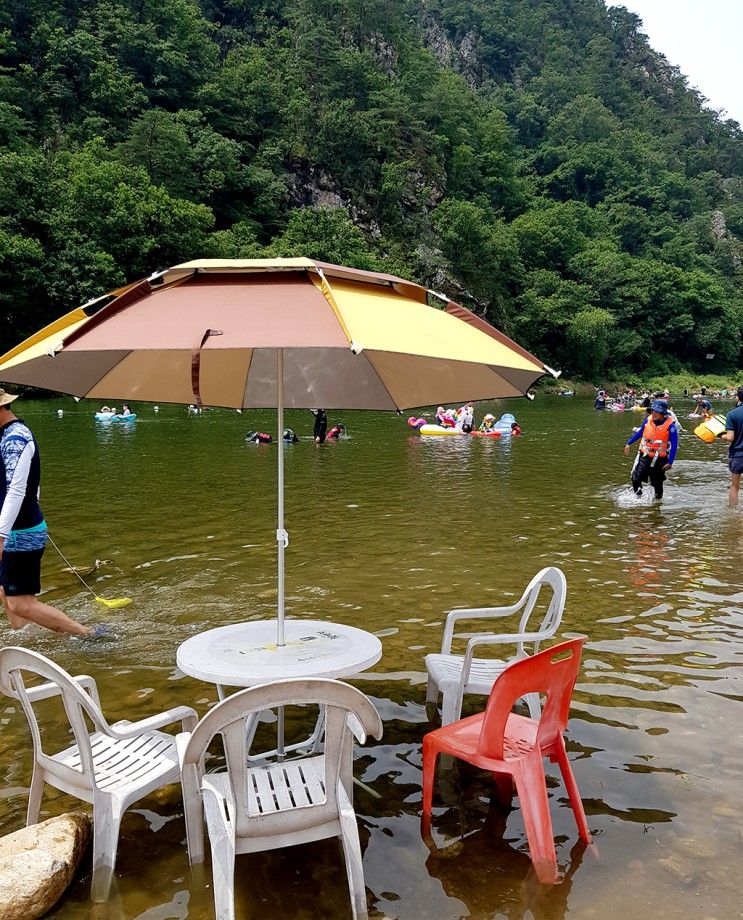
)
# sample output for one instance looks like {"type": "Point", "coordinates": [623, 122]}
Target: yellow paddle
{"type": "Point", "coordinates": [114, 602]}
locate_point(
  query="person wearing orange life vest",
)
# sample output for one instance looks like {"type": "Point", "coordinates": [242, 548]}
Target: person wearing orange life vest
{"type": "Point", "coordinates": [658, 438]}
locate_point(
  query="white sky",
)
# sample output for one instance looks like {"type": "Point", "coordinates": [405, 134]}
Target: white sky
{"type": "Point", "coordinates": [704, 38]}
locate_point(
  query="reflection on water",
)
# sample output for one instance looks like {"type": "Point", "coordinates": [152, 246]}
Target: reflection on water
{"type": "Point", "coordinates": [389, 531]}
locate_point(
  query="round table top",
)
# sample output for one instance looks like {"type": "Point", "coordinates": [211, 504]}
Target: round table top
{"type": "Point", "coordinates": [246, 654]}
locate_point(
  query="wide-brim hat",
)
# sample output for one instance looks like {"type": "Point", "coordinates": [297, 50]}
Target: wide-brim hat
{"type": "Point", "coordinates": [6, 398]}
{"type": "Point", "coordinates": [660, 406]}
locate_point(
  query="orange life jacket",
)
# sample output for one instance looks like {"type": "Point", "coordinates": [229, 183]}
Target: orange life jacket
{"type": "Point", "coordinates": [656, 437]}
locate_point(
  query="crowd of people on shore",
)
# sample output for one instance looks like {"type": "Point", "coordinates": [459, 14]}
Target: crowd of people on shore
{"type": "Point", "coordinates": [632, 396]}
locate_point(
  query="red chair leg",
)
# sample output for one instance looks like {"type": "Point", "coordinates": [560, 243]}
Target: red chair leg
{"type": "Point", "coordinates": [503, 786]}
{"type": "Point", "coordinates": [430, 753]}
{"type": "Point", "coordinates": [576, 803]}
{"type": "Point", "coordinates": [531, 788]}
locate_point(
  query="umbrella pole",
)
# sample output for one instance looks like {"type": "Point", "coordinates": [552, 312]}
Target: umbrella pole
{"type": "Point", "coordinates": [282, 537]}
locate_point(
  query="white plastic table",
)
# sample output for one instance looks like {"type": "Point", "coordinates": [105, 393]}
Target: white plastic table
{"type": "Point", "coordinates": [246, 654]}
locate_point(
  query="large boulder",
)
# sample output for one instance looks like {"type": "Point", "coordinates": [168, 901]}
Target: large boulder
{"type": "Point", "coordinates": [37, 864]}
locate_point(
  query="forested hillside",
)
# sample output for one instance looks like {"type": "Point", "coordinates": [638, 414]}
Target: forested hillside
{"type": "Point", "coordinates": [534, 159]}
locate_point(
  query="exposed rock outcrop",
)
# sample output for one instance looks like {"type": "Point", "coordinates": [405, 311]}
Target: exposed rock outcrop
{"type": "Point", "coordinates": [460, 56]}
{"type": "Point", "coordinates": [37, 864]}
{"type": "Point", "coordinates": [719, 225]}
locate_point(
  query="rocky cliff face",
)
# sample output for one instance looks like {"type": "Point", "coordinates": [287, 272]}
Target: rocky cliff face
{"type": "Point", "coordinates": [460, 56]}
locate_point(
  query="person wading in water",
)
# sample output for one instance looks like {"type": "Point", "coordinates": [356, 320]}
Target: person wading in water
{"type": "Point", "coordinates": [657, 449]}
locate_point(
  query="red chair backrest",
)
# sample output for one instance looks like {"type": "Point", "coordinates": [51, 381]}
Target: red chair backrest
{"type": "Point", "coordinates": [553, 673]}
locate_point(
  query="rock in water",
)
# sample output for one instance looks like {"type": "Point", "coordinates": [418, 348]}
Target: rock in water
{"type": "Point", "coordinates": [37, 864]}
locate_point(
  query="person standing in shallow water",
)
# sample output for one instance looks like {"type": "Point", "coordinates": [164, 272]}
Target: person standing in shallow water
{"type": "Point", "coordinates": [657, 449]}
{"type": "Point", "coordinates": [733, 434]}
{"type": "Point", "coordinates": [23, 533]}
{"type": "Point", "coordinates": [321, 425]}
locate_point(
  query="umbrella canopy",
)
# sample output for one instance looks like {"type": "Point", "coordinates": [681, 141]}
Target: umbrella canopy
{"type": "Point", "coordinates": [266, 333]}
{"type": "Point", "coordinates": [209, 330]}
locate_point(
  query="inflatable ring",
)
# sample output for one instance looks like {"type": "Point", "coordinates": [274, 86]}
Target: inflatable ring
{"type": "Point", "coordinates": [439, 430]}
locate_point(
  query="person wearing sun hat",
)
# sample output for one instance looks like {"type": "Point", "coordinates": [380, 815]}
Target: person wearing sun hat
{"type": "Point", "coordinates": [23, 533]}
{"type": "Point", "coordinates": [657, 448]}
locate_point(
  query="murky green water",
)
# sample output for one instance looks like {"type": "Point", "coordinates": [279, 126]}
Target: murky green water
{"type": "Point", "coordinates": [388, 531]}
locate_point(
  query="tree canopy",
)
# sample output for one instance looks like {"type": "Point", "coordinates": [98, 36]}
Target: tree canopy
{"type": "Point", "coordinates": [538, 162]}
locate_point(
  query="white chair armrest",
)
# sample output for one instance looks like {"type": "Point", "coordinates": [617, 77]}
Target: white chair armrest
{"type": "Point", "coordinates": [505, 638]}
{"type": "Point", "coordinates": [500, 639]}
{"type": "Point", "coordinates": [474, 613]}
{"type": "Point", "coordinates": [183, 714]}
{"type": "Point", "coordinates": [49, 689]}
{"type": "Point", "coordinates": [42, 692]}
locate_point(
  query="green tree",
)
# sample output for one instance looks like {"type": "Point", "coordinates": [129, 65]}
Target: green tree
{"type": "Point", "coordinates": [590, 336]}
{"type": "Point", "coordinates": [327, 234]}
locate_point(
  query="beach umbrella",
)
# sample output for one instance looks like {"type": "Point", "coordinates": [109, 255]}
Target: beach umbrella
{"type": "Point", "coordinates": [274, 333]}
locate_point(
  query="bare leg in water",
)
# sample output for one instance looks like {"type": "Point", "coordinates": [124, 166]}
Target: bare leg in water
{"type": "Point", "coordinates": [734, 489]}
{"type": "Point", "coordinates": [23, 609]}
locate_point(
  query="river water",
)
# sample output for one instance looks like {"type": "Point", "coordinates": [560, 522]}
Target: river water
{"type": "Point", "coordinates": [388, 532]}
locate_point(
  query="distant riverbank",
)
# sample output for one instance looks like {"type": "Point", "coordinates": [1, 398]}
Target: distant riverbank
{"type": "Point", "coordinates": [674, 383]}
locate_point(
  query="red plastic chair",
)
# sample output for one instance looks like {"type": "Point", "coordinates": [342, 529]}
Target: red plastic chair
{"type": "Point", "coordinates": [512, 746]}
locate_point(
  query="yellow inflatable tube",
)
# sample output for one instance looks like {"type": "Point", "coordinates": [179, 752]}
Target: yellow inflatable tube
{"type": "Point", "coordinates": [439, 430]}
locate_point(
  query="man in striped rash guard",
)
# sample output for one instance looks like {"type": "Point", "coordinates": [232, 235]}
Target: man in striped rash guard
{"type": "Point", "coordinates": [23, 535]}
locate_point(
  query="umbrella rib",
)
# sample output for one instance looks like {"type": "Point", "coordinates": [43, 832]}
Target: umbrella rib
{"type": "Point", "coordinates": [327, 293]}
{"type": "Point", "coordinates": [244, 397]}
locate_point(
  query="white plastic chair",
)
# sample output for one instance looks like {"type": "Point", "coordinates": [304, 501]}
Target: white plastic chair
{"type": "Point", "coordinates": [454, 675]}
{"type": "Point", "coordinates": [111, 768]}
{"type": "Point", "coordinates": [279, 803]}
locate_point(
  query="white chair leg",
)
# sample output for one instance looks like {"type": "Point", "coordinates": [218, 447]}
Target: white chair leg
{"type": "Point", "coordinates": [193, 810]}
{"type": "Point", "coordinates": [534, 706]}
{"type": "Point", "coordinates": [317, 738]}
{"type": "Point", "coordinates": [352, 856]}
{"type": "Point", "coordinates": [106, 823]}
{"type": "Point", "coordinates": [193, 814]}
{"type": "Point", "coordinates": [223, 873]}
{"type": "Point", "coordinates": [432, 691]}
{"type": "Point", "coordinates": [223, 860]}
{"type": "Point", "coordinates": [450, 711]}
{"type": "Point", "coordinates": [35, 792]}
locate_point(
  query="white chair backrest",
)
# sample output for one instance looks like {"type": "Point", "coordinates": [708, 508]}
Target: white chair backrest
{"type": "Point", "coordinates": [553, 578]}
{"type": "Point", "coordinates": [14, 663]}
{"type": "Point", "coordinates": [348, 712]}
